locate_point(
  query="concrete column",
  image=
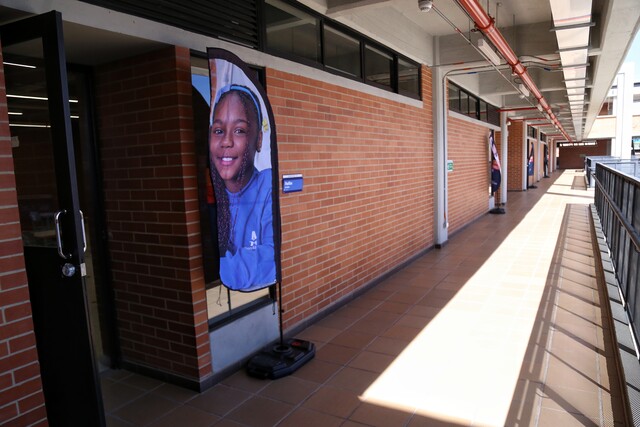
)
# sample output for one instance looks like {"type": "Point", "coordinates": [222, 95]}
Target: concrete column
{"type": "Point", "coordinates": [440, 147]}
{"type": "Point", "coordinates": [525, 158]}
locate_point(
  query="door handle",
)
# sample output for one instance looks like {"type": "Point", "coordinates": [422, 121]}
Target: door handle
{"type": "Point", "coordinates": [84, 233]}
{"type": "Point", "coordinates": [59, 234]}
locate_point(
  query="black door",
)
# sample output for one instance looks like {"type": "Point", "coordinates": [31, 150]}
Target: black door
{"type": "Point", "coordinates": [51, 218]}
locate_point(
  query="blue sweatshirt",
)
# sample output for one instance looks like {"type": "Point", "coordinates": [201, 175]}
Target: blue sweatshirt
{"type": "Point", "coordinates": [250, 265]}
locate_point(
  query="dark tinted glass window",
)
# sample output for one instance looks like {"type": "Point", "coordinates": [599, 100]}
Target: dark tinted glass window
{"type": "Point", "coordinates": [454, 98]}
{"type": "Point", "coordinates": [408, 78]}
{"type": "Point", "coordinates": [292, 31]}
{"type": "Point", "coordinates": [471, 106]}
{"type": "Point", "coordinates": [464, 103]}
{"type": "Point", "coordinates": [377, 66]}
{"type": "Point", "coordinates": [341, 52]}
{"type": "Point", "coordinates": [483, 111]}
{"type": "Point", "coordinates": [493, 115]}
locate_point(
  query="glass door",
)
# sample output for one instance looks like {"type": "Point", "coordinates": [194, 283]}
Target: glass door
{"type": "Point", "coordinates": [52, 222]}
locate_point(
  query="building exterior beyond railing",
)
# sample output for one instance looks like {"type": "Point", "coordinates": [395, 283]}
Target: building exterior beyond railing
{"type": "Point", "coordinates": [617, 201]}
{"type": "Point", "coordinates": [629, 166]}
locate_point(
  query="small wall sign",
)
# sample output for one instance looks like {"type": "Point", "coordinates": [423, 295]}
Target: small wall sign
{"type": "Point", "coordinates": [291, 183]}
{"type": "Point", "coordinates": [449, 165]}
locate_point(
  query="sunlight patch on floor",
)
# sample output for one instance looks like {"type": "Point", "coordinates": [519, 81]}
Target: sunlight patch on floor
{"type": "Point", "coordinates": [464, 365]}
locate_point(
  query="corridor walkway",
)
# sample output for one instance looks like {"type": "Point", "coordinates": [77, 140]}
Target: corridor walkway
{"type": "Point", "coordinates": [501, 327]}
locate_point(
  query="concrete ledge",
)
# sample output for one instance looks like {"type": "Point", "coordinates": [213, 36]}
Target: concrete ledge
{"type": "Point", "coordinates": [627, 363]}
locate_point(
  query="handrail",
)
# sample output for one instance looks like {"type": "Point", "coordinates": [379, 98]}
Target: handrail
{"type": "Point", "coordinates": [633, 234]}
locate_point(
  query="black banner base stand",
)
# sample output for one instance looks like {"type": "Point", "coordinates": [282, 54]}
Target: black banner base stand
{"type": "Point", "coordinates": [497, 211]}
{"type": "Point", "coordinates": [282, 359]}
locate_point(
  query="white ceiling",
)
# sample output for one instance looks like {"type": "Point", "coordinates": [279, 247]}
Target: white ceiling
{"type": "Point", "coordinates": [555, 60]}
{"type": "Point", "coordinates": [549, 56]}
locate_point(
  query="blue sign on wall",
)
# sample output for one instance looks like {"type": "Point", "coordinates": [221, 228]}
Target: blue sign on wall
{"type": "Point", "coordinates": [291, 183]}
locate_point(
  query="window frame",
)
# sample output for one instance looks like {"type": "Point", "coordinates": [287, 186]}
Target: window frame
{"type": "Point", "coordinates": [418, 68]}
{"type": "Point", "coordinates": [347, 34]}
{"type": "Point", "coordinates": [473, 105]}
{"type": "Point", "coordinates": [363, 40]}
{"type": "Point", "coordinates": [288, 55]}
{"type": "Point", "coordinates": [381, 52]}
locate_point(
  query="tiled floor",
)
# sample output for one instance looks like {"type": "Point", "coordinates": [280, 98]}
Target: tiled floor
{"type": "Point", "coordinates": [502, 326]}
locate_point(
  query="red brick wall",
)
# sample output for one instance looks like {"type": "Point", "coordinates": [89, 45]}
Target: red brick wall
{"type": "Point", "coordinates": [468, 187]}
{"type": "Point", "coordinates": [148, 160]}
{"type": "Point", "coordinates": [573, 157]}
{"type": "Point", "coordinates": [516, 159]}
{"type": "Point", "coordinates": [367, 203]}
{"type": "Point", "coordinates": [21, 398]}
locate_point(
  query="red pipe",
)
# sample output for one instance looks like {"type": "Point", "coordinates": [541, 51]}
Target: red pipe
{"type": "Point", "coordinates": [485, 23]}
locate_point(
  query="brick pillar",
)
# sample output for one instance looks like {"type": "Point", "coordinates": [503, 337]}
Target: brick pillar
{"type": "Point", "coordinates": [21, 397]}
{"type": "Point", "coordinates": [149, 168]}
{"type": "Point", "coordinates": [516, 162]}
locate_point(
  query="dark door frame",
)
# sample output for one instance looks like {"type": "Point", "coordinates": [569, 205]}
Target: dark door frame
{"type": "Point", "coordinates": [71, 384]}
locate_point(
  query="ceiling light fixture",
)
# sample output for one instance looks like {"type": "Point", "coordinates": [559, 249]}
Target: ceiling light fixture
{"type": "Point", "coordinates": [523, 90]}
{"type": "Point", "coordinates": [488, 52]}
{"type": "Point", "coordinates": [425, 5]}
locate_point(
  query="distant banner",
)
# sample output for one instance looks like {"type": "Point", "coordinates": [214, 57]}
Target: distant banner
{"type": "Point", "coordinates": [496, 169]}
{"type": "Point", "coordinates": [243, 171]}
{"type": "Point", "coordinates": [531, 161]}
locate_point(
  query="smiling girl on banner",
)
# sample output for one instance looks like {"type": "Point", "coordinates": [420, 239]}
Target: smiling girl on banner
{"type": "Point", "coordinates": [242, 159]}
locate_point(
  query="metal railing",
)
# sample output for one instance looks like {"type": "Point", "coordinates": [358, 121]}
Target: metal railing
{"type": "Point", "coordinates": [617, 200]}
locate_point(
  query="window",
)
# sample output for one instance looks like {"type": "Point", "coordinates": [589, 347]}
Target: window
{"type": "Point", "coordinates": [483, 113]}
{"type": "Point", "coordinates": [463, 102]}
{"type": "Point", "coordinates": [408, 78]}
{"type": "Point", "coordinates": [473, 111]}
{"type": "Point", "coordinates": [291, 31]}
{"type": "Point", "coordinates": [341, 52]}
{"type": "Point", "coordinates": [285, 28]}
{"type": "Point", "coordinates": [298, 33]}
{"type": "Point", "coordinates": [377, 67]}
{"type": "Point", "coordinates": [607, 107]}
{"type": "Point", "coordinates": [222, 304]}
{"type": "Point", "coordinates": [454, 98]}
{"type": "Point", "coordinates": [493, 115]}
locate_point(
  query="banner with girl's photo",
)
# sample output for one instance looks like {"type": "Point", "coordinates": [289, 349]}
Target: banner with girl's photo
{"type": "Point", "coordinates": [243, 172]}
{"type": "Point", "coordinates": [496, 169]}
